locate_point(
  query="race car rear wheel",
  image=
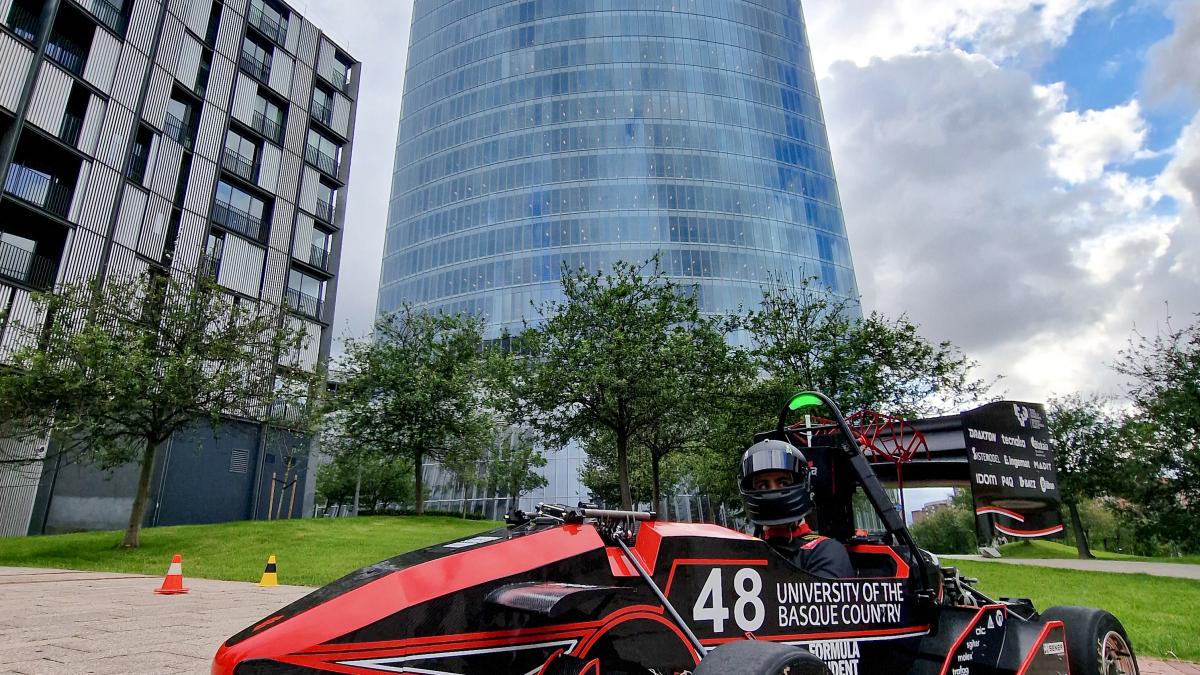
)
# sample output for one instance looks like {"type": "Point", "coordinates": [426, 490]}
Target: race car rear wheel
{"type": "Point", "coordinates": [758, 657]}
{"type": "Point", "coordinates": [1096, 641]}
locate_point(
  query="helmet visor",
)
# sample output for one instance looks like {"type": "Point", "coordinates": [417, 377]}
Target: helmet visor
{"type": "Point", "coordinates": [775, 457]}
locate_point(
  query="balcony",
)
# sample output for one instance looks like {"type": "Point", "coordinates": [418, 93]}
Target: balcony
{"type": "Point", "coordinates": [238, 165]}
{"type": "Point", "coordinates": [27, 268]}
{"type": "Point", "coordinates": [321, 160]}
{"type": "Point", "coordinates": [24, 23]}
{"type": "Point", "coordinates": [267, 127]}
{"type": "Point", "coordinates": [267, 24]}
{"type": "Point", "coordinates": [210, 266]}
{"type": "Point", "coordinates": [40, 189]}
{"type": "Point", "coordinates": [69, 131]}
{"type": "Point", "coordinates": [66, 53]}
{"type": "Point", "coordinates": [239, 221]}
{"type": "Point", "coordinates": [323, 113]}
{"type": "Point", "coordinates": [303, 303]}
{"type": "Point", "coordinates": [136, 171]}
{"type": "Point", "coordinates": [324, 210]}
{"type": "Point", "coordinates": [318, 257]}
{"type": "Point", "coordinates": [176, 129]}
{"type": "Point", "coordinates": [260, 68]}
{"type": "Point", "coordinates": [109, 14]}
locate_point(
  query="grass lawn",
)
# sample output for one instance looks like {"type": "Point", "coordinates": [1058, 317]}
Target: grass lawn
{"type": "Point", "coordinates": [310, 552]}
{"type": "Point", "coordinates": [1053, 550]}
{"type": "Point", "coordinates": [1158, 612]}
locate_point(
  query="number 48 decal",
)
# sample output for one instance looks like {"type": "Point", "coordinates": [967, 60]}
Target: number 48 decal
{"type": "Point", "coordinates": [748, 612]}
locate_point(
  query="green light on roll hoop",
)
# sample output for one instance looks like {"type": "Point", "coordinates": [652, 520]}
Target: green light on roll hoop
{"type": "Point", "coordinates": [805, 401]}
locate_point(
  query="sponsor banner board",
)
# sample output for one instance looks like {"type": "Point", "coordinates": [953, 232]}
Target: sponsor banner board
{"type": "Point", "coordinates": [1013, 478]}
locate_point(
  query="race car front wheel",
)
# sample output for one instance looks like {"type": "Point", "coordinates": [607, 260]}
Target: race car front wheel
{"type": "Point", "coordinates": [758, 657]}
{"type": "Point", "coordinates": [1096, 641]}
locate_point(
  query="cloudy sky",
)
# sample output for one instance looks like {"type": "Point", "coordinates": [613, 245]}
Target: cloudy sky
{"type": "Point", "coordinates": [1021, 177]}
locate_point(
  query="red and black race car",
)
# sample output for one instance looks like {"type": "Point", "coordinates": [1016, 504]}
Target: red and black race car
{"type": "Point", "coordinates": [584, 591]}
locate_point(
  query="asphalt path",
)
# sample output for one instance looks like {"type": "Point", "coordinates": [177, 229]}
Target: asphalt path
{"type": "Point", "coordinates": [1157, 569]}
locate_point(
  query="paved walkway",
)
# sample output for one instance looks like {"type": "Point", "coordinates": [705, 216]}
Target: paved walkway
{"type": "Point", "coordinates": [56, 622]}
{"type": "Point", "coordinates": [1180, 570]}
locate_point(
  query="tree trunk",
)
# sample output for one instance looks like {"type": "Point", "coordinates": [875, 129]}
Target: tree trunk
{"type": "Point", "coordinates": [655, 490]}
{"type": "Point", "coordinates": [418, 483]}
{"type": "Point", "coordinates": [133, 534]}
{"type": "Point", "coordinates": [1081, 543]}
{"type": "Point", "coordinates": [623, 470]}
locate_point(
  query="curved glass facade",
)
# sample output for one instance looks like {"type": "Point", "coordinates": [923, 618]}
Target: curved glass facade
{"type": "Point", "coordinates": [549, 131]}
{"type": "Point", "coordinates": [539, 132]}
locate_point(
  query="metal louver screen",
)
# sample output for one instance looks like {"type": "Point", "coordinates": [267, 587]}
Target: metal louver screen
{"type": "Point", "coordinates": [239, 461]}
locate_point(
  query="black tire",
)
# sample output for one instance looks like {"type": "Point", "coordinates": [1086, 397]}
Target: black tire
{"type": "Point", "coordinates": [758, 657]}
{"type": "Point", "coordinates": [1097, 643]}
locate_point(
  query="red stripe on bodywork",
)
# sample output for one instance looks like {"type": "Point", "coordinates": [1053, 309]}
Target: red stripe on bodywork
{"type": "Point", "coordinates": [803, 637]}
{"type": "Point", "coordinates": [901, 566]}
{"type": "Point", "coordinates": [967, 631]}
{"type": "Point", "coordinates": [1041, 640]}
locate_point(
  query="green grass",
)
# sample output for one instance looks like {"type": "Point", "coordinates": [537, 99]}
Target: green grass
{"type": "Point", "coordinates": [1048, 550]}
{"type": "Point", "coordinates": [310, 552]}
{"type": "Point", "coordinates": [1158, 612]}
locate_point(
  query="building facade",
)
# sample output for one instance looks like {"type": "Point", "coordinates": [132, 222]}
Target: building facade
{"type": "Point", "coordinates": [540, 133]}
{"type": "Point", "coordinates": [182, 135]}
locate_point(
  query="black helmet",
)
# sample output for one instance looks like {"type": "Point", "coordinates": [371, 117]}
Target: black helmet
{"type": "Point", "coordinates": [775, 507]}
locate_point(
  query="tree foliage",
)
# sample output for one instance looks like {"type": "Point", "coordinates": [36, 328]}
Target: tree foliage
{"type": "Point", "coordinates": [624, 352]}
{"type": "Point", "coordinates": [807, 337]}
{"type": "Point", "coordinates": [380, 480]}
{"type": "Point", "coordinates": [413, 390]}
{"type": "Point", "coordinates": [950, 530]}
{"type": "Point", "coordinates": [1090, 453]}
{"type": "Point", "coordinates": [119, 367]}
{"type": "Point", "coordinates": [1164, 384]}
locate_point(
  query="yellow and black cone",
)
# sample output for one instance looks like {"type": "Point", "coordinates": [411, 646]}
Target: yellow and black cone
{"type": "Point", "coordinates": [269, 577]}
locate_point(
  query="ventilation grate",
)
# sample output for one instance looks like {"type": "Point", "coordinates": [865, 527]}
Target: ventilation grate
{"type": "Point", "coordinates": [239, 461]}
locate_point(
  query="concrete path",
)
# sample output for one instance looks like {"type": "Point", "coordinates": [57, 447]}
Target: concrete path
{"type": "Point", "coordinates": [1179, 570]}
{"type": "Point", "coordinates": [56, 622]}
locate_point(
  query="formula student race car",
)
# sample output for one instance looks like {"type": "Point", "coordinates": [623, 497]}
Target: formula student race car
{"type": "Point", "coordinates": [584, 591]}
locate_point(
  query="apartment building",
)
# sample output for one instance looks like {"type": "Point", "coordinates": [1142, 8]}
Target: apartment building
{"type": "Point", "coordinates": [181, 135]}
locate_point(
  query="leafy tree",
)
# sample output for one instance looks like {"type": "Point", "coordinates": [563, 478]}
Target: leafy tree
{"type": "Point", "coordinates": [1090, 453]}
{"type": "Point", "coordinates": [950, 529]}
{"type": "Point", "coordinates": [380, 479]}
{"type": "Point", "coordinates": [807, 337]}
{"type": "Point", "coordinates": [513, 466]}
{"type": "Point", "coordinates": [1164, 381]}
{"type": "Point", "coordinates": [608, 357]}
{"type": "Point", "coordinates": [119, 367]}
{"type": "Point", "coordinates": [413, 390]}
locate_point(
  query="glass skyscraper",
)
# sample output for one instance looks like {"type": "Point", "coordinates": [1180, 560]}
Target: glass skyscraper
{"type": "Point", "coordinates": [542, 132]}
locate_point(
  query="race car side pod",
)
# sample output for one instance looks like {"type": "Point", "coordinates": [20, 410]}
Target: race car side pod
{"type": "Point", "coordinates": [700, 651]}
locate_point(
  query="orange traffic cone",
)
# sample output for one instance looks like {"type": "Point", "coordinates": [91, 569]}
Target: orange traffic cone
{"type": "Point", "coordinates": [173, 583]}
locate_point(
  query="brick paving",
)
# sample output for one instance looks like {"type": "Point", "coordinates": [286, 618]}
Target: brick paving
{"type": "Point", "coordinates": [56, 622]}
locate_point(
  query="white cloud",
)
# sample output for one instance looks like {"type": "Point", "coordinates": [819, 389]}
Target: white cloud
{"type": "Point", "coordinates": [1172, 64]}
{"type": "Point", "coordinates": [952, 173]}
{"type": "Point", "coordinates": [1085, 143]}
{"type": "Point", "coordinates": [859, 30]}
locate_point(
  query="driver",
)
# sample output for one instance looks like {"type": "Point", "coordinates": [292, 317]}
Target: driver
{"type": "Point", "coordinates": [777, 491]}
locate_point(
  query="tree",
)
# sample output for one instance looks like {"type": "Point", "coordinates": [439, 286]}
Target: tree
{"type": "Point", "coordinates": [120, 366]}
{"type": "Point", "coordinates": [1089, 452]}
{"type": "Point", "coordinates": [413, 390]}
{"type": "Point", "coordinates": [949, 530]}
{"type": "Point", "coordinates": [513, 466]}
{"type": "Point", "coordinates": [381, 479]}
{"type": "Point", "coordinates": [608, 357]}
{"type": "Point", "coordinates": [806, 337]}
{"type": "Point", "coordinates": [1164, 385]}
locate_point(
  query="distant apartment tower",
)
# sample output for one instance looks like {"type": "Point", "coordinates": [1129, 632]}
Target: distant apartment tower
{"type": "Point", "coordinates": [543, 133]}
{"type": "Point", "coordinates": [180, 135]}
